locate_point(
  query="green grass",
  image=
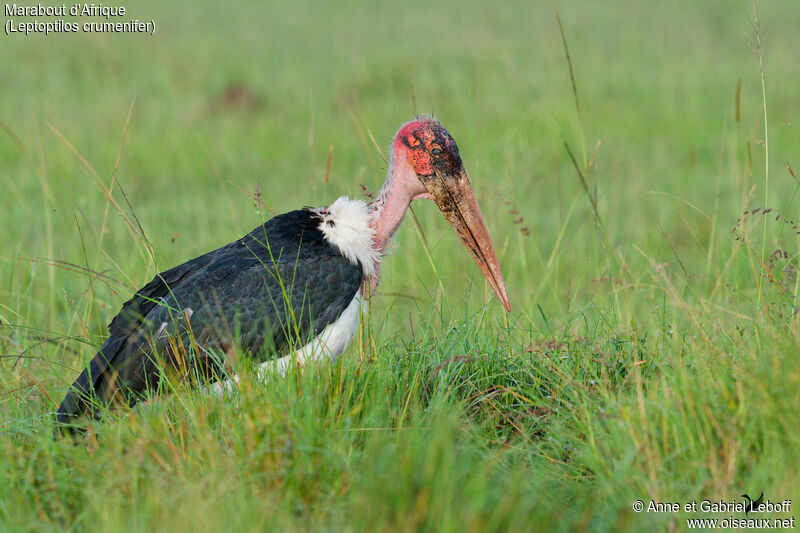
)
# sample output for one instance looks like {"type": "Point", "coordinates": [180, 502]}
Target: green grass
{"type": "Point", "coordinates": [653, 358]}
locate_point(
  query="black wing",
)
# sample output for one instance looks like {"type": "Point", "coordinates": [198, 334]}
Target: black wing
{"type": "Point", "coordinates": [277, 287]}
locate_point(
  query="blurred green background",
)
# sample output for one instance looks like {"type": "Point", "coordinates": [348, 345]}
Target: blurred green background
{"type": "Point", "coordinates": [297, 101]}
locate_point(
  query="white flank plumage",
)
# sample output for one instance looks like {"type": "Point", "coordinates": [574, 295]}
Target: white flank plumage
{"type": "Point", "coordinates": [345, 224]}
{"type": "Point", "coordinates": [330, 343]}
{"type": "Point", "coordinates": [334, 338]}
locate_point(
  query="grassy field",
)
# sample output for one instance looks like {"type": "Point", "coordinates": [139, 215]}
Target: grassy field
{"type": "Point", "coordinates": [652, 348]}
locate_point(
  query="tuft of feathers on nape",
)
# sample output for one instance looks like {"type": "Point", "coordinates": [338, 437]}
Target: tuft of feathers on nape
{"type": "Point", "coordinates": [346, 224]}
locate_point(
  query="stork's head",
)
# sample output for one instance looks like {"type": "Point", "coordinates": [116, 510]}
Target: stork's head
{"type": "Point", "coordinates": [426, 158]}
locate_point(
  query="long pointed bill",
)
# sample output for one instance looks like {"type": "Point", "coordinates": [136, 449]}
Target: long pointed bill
{"type": "Point", "coordinates": [454, 197]}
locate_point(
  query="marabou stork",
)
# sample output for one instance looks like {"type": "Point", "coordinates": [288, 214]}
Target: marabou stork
{"type": "Point", "coordinates": [298, 280]}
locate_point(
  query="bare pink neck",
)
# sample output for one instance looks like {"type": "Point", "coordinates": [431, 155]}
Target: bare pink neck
{"type": "Point", "coordinates": [389, 208]}
{"type": "Point", "coordinates": [388, 211]}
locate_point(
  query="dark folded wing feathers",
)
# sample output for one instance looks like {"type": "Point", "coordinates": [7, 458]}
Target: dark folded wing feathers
{"type": "Point", "coordinates": [278, 286]}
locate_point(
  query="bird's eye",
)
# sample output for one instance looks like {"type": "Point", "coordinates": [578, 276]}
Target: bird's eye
{"type": "Point", "coordinates": [436, 150]}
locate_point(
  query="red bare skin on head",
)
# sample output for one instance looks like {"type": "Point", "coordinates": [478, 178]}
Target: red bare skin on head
{"type": "Point", "coordinates": [421, 161]}
{"type": "Point", "coordinates": [418, 140]}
